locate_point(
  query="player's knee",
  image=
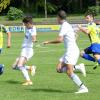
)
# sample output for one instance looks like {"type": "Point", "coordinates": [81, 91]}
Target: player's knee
{"type": "Point", "coordinates": [21, 61]}
{"type": "Point", "coordinates": [82, 53]}
{"type": "Point", "coordinates": [69, 72]}
{"type": "Point", "coordinates": [59, 70]}
{"type": "Point", "coordinates": [97, 56]}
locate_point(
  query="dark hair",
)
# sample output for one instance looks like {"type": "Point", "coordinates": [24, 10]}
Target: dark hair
{"type": "Point", "coordinates": [89, 14]}
{"type": "Point", "coordinates": [62, 14]}
{"type": "Point", "coordinates": [28, 19]}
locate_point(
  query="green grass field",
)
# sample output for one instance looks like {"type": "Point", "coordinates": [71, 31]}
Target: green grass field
{"type": "Point", "coordinates": [48, 85]}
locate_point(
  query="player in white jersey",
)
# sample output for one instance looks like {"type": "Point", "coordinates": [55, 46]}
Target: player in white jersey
{"type": "Point", "coordinates": [69, 59]}
{"type": "Point", "coordinates": [27, 51]}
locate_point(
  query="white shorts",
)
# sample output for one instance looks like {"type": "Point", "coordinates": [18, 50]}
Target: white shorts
{"type": "Point", "coordinates": [70, 57]}
{"type": "Point", "coordinates": [27, 53]}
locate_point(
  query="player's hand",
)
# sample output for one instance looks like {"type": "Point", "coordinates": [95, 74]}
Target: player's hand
{"type": "Point", "coordinates": [46, 42]}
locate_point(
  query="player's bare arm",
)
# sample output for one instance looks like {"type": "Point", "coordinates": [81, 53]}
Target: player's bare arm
{"type": "Point", "coordinates": [58, 40]}
{"type": "Point", "coordinates": [34, 38]}
{"type": "Point", "coordinates": [97, 22]}
{"type": "Point", "coordinates": [8, 39]}
{"type": "Point", "coordinates": [84, 30]}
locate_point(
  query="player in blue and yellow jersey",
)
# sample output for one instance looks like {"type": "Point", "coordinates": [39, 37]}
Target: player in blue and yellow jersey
{"type": "Point", "coordinates": [4, 30]}
{"type": "Point", "coordinates": [93, 32]}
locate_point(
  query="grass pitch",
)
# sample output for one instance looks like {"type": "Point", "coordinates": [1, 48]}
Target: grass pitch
{"type": "Point", "coordinates": [48, 85]}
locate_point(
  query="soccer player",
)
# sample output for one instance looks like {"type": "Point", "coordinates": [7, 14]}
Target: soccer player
{"type": "Point", "coordinates": [27, 51]}
{"type": "Point", "coordinates": [69, 59]}
{"type": "Point", "coordinates": [4, 30]}
{"type": "Point", "coordinates": [93, 33]}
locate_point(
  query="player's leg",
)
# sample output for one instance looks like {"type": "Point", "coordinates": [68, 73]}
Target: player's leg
{"type": "Point", "coordinates": [69, 69]}
{"type": "Point", "coordinates": [85, 54]}
{"type": "Point", "coordinates": [96, 51]}
{"type": "Point", "coordinates": [76, 79]}
{"type": "Point", "coordinates": [26, 54]}
{"type": "Point", "coordinates": [31, 69]}
{"type": "Point", "coordinates": [14, 66]}
{"type": "Point", "coordinates": [61, 68]}
{"type": "Point", "coordinates": [81, 68]}
{"type": "Point", "coordinates": [24, 71]}
{"type": "Point", "coordinates": [97, 57]}
{"type": "Point", "coordinates": [70, 61]}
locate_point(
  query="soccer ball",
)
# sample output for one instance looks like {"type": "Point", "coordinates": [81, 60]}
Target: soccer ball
{"type": "Point", "coordinates": [1, 69]}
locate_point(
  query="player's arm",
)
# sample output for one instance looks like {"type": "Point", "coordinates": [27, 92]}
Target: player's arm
{"type": "Point", "coordinates": [8, 39]}
{"type": "Point", "coordinates": [97, 22]}
{"type": "Point", "coordinates": [58, 40]}
{"type": "Point", "coordinates": [34, 38]}
{"type": "Point", "coordinates": [34, 35]}
{"type": "Point", "coordinates": [84, 30]}
{"type": "Point", "coordinates": [8, 36]}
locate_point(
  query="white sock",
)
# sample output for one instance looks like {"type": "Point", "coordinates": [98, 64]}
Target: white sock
{"type": "Point", "coordinates": [76, 79]}
{"type": "Point", "coordinates": [77, 67]}
{"type": "Point", "coordinates": [27, 67]}
{"type": "Point", "coordinates": [82, 86]}
{"type": "Point", "coordinates": [25, 73]}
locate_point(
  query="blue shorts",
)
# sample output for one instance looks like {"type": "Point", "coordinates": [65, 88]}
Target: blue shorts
{"type": "Point", "coordinates": [93, 49]}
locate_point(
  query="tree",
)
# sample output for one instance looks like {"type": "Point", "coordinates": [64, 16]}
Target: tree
{"type": "Point", "coordinates": [4, 4]}
{"type": "Point", "coordinates": [37, 7]}
{"type": "Point", "coordinates": [98, 4]}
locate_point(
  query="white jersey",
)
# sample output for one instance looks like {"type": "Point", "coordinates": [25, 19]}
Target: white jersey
{"type": "Point", "coordinates": [28, 43]}
{"type": "Point", "coordinates": [69, 36]}
{"type": "Point", "coordinates": [71, 49]}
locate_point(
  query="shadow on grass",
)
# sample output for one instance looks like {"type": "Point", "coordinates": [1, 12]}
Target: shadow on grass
{"type": "Point", "coordinates": [50, 90]}
{"type": "Point", "coordinates": [88, 65]}
{"type": "Point", "coordinates": [87, 72]}
{"type": "Point", "coordinates": [13, 82]}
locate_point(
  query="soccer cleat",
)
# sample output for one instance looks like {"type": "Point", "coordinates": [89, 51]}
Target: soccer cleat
{"type": "Point", "coordinates": [82, 69]}
{"type": "Point", "coordinates": [82, 90]}
{"type": "Point", "coordinates": [27, 83]}
{"type": "Point", "coordinates": [96, 66]}
{"type": "Point", "coordinates": [32, 70]}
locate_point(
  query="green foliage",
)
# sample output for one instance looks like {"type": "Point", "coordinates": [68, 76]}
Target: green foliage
{"type": "Point", "coordinates": [4, 4]}
{"type": "Point", "coordinates": [51, 7]}
{"type": "Point", "coordinates": [14, 13]}
{"type": "Point", "coordinates": [94, 9]}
